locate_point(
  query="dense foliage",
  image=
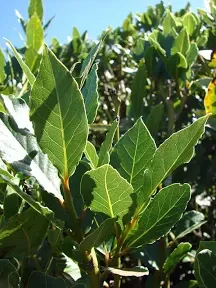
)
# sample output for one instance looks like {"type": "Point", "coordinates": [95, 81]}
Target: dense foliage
{"type": "Point", "coordinates": [97, 145]}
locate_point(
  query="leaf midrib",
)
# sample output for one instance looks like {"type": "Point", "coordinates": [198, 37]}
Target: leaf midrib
{"type": "Point", "coordinates": [66, 174]}
{"type": "Point", "coordinates": [133, 163]}
{"type": "Point", "coordinates": [107, 192]}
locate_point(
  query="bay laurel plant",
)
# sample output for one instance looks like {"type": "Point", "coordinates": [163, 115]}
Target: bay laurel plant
{"type": "Point", "coordinates": [69, 212]}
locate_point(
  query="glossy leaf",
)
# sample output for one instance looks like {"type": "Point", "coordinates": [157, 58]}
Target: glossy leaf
{"type": "Point", "coordinates": [91, 154]}
{"type": "Point", "coordinates": [90, 94]}
{"type": "Point", "coordinates": [34, 33]}
{"type": "Point", "coordinates": [25, 68]}
{"type": "Point", "coordinates": [34, 37]}
{"type": "Point", "coordinates": [181, 43]}
{"type": "Point", "coordinates": [161, 214]}
{"type": "Point", "coordinates": [36, 6]}
{"type": "Point", "coordinates": [205, 271]}
{"type": "Point", "coordinates": [105, 191]}
{"type": "Point", "coordinates": [19, 112]}
{"type": "Point", "coordinates": [59, 115]}
{"type": "Point", "coordinates": [176, 150]}
{"type": "Point", "coordinates": [132, 153]}
{"type": "Point", "coordinates": [169, 22]}
{"type": "Point", "coordinates": [69, 267]}
{"type": "Point", "coordinates": [138, 271]}
{"type": "Point", "coordinates": [39, 279]}
{"type": "Point", "coordinates": [9, 274]}
{"type": "Point", "coordinates": [190, 221]}
{"type": "Point", "coordinates": [192, 54]}
{"type": "Point", "coordinates": [138, 91]}
{"type": "Point", "coordinates": [23, 233]}
{"type": "Point", "coordinates": [175, 257]}
{"type": "Point", "coordinates": [189, 22]}
{"type": "Point", "coordinates": [153, 40]}
{"type": "Point", "coordinates": [13, 151]}
{"type": "Point", "coordinates": [2, 65]}
{"type": "Point", "coordinates": [104, 153]}
{"type": "Point", "coordinates": [94, 239]}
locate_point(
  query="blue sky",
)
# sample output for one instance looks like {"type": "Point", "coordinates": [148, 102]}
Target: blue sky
{"type": "Point", "coordinates": [91, 15]}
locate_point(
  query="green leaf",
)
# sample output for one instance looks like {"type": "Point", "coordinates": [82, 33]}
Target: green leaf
{"type": "Point", "coordinates": [160, 215]}
{"type": "Point", "coordinates": [88, 62]}
{"type": "Point", "coordinates": [34, 33]}
{"type": "Point", "coordinates": [13, 151]}
{"type": "Point", "coordinates": [44, 211]}
{"type": "Point", "coordinates": [192, 54]}
{"type": "Point", "coordinates": [190, 221]}
{"type": "Point", "coordinates": [91, 154]}
{"type": "Point", "coordinates": [90, 94]}
{"type": "Point", "coordinates": [32, 59]}
{"type": "Point", "coordinates": [132, 153]}
{"type": "Point", "coordinates": [12, 201]}
{"type": "Point", "coordinates": [2, 109]}
{"type": "Point", "coordinates": [176, 150]}
{"type": "Point", "coordinates": [76, 33]}
{"type": "Point", "coordinates": [24, 233]}
{"type": "Point", "coordinates": [174, 62]}
{"type": "Point", "coordinates": [168, 23]}
{"type": "Point", "coordinates": [181, 43]}
{"type": "Point", "coordinates": [35, 38]}
{"type": "Point", "coordinates": [42, 280]}
{"type": "Point", "coordinates": [36, 6]}
{"type": "Point", "coordinates": [59, 115]}
{"type": "Point", "coordinates": [99, 235]}
{"type": "Point", "coordinates": [74, 182]}
{"type": "Point", "coordinates": [155, 118]}
{"type": "Point", "coordinates": [138, 92]}
{"type": "Point", "coordinates": [25, 68]}
{"type": "Point", "coordinates": [105, 191]}
{"type": "Point", "coordinates": [47, 24]}
{"type": "Point", "coordinates": [14, 280]}
{"type": "Point", "coordinates": [153, 40]}
{"type": "Point", "coordinates": [175, 257]}
{"type": "Point", "coordinates": [138, 271]}
{"type": "Point", "coordinates": [68, 266]}
{"type": "Point", "coordinates": [104, 155]}
{"type": "Point", "coordinates": [2, 65]}
{"type": "Point", "coordinates": [9, 274]}
{"type": "Point", "coordinates": [205, 271]}
{"type": "Point", "coordinates": [189, 22]}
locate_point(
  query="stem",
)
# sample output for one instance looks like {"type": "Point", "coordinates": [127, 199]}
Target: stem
{"type": "Point", "coordinates": [91, 268]}
{"type": "Point", "coordinates": [163, 253]}
{"type": "Point", "coordinates": [117, 264]}
{"type": "Point", "coordinates": [69, 205]}
{"type": "Point", "coordinates": [89, 259]}
{"type": "Point", "coordinates": [48, 265]}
